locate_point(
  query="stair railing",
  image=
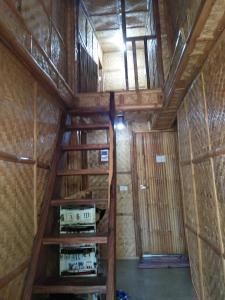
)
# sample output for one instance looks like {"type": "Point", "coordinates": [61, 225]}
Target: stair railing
{"type": "Point", "coordinates": [111, 274]}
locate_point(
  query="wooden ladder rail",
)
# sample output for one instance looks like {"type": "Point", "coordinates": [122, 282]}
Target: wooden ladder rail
{"type": "Point", "coordinates": [111, 275]}
{"type": "Point", "coordinates": [37, 244]}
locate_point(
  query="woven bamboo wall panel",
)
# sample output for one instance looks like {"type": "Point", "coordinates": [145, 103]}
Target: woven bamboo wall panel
{"type": "Point", "coordinates": [123, 140]}
{"type": "Point", "coordinates": [42, 180]}
{"type": "Point", "coordinates": [17, 209]}
{"type": "Point", "coordinates": [197, 119]}
{"type": "Point", "coordinates": [205, 103]}
{"type": "Point", "coordinates": [48, 116]}
{"type": "Point", "coordinates": [124, 198]}
{"type": "Point", "coordinates": [213, 273]}
{"type": "Point", "coordinates": [219, 167]}
{"type": "Point", "coordinates": [190, 213]}
{"type": "Point", "coordinates": [208, 221]}
{"type": "Point", "coordinates": [160, 210]}
{"type": "Point", "coordinates": [193, 244]}
{"type": "Point", "coordinates": [16, 106]}
{"type": "Point", "coordinates": [20, 111]}
{"type": "Point", "coordinates": [213, 73]}
{"type": "Point", "coordinates": [184, 143]}
{"type": "Point", "coordinates": [125, 237]}
{"type": "Point", "coordinates": [13, 290]}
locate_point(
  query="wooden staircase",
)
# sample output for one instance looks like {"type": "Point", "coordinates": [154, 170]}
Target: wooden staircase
{"type": "Point", "coordinates": [48, 239]}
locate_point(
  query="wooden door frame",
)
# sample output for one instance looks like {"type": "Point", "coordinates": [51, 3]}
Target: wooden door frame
{"type": "Point", "coordinates": [134, 177]}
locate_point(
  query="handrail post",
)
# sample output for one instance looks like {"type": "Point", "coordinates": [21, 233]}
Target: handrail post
{"type": "Point", "coordinates": [111, 277]}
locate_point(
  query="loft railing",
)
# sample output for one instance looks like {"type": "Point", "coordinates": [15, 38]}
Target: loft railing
{"type": "Point", "coordinates": [14, 30]}
{"type": "Point", "coordinates": [149, 46]}
{"type": "Point", "coordinates": [183, 37]}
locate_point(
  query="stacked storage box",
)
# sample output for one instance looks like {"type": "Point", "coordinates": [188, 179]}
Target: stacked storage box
{"type": "Point", "coordinates": [78, 260]}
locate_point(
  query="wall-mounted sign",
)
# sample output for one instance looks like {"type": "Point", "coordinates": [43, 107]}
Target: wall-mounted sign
{"type": "Point", "coordinates": [123, 188]}
{"type": "Point", "coordinates": [160, 159]}
{"type": "Point", "coordinates": [104, 155]}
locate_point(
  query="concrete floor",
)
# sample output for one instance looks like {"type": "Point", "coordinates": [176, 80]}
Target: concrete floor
{"type": "Point", "coordinates": [154, 284]}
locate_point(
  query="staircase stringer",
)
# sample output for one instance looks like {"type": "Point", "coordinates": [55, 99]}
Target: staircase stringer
{"type": "Point", "coordinates": [37, 244]}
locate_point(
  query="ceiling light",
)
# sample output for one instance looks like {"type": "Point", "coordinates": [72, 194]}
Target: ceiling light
{"type": "Point", "coordinates": [120, 122]}
{"type": "Point", "coordinates": [117, 40]}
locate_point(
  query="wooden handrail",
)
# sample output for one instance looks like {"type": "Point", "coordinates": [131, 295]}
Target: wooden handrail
{"type": "Point", "coordinates": [111, 277]}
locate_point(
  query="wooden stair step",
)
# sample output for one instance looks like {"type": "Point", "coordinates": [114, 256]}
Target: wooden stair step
{"type": "Point", "coordinates": [96, 126]}
{"type": "Point", "coordinates": [65, 202]}
{"type": "Point", "coordinates": [82, 111]}
{"type": "Point", "coordinates": [71, 239]}
{"type": "Point", "coordinates": [97, 171]}
{"type": "Point", "coordinates": [71, 285]}
{"type": "Point", "coordinates": [84, 147]}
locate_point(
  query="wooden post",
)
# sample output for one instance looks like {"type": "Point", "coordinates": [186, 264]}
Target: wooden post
{"type": "Point", "coordinates": [159, 42]}
{"type": "Point", "coordinates": [124, 41]}
{"type": "Point", "coordinates": [70, 40]}
{"type": "Point", "coordinates": [147, 63]}
{"type": "Point", "coordinates": [135, 65]}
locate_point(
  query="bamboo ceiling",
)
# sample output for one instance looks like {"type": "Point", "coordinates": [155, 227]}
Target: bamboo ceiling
{"type": "Point", "coordinates": [106, 18]}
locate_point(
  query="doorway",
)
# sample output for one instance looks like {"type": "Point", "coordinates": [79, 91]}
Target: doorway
{"type": "Point", "coordinates": [157, 194]}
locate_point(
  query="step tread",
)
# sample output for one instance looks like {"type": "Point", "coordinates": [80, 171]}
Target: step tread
{"type": "Point", "coordinates": [64, 285]}
{"type": "Point", "coordinates": [94, 171]}
{"type": "Point", "coordinates": [95, 238]}
{"type": "Point", "coordinates": [85, 147]}
{"type": "Point", "coordinates": [96, 126]}
{"type": "Point", "coordinates": [61, 202]}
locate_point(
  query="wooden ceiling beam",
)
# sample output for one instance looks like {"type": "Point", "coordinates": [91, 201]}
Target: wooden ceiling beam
{"type": "Point", "coordinates": [105, 14]}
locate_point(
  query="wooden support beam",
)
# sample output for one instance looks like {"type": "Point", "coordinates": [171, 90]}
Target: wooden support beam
{"type": "Point", "coordinates": [147, 63]}
{"type": "Point", "coordinates": [124, 30]}
{"type": "Point", "coordinates": [141, 38]}
{"type": "Point", "coordinates": [135, 65]}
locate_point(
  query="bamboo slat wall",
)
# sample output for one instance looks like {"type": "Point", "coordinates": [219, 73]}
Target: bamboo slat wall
{"type": "Point", "coordinates": [29, 121]}
{"type": "Point", "coordinates": [160, 218]}
{"type": "Point", "coordinates": [201, 125]}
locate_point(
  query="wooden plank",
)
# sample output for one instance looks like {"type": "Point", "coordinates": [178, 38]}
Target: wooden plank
{"type": "Point", "coordinates": [88, 127]}
{"type": "Point", "coordinates": [96, 171]}
{"type": "Point", "coordinates": [13, 158]}
{"type": "Point", "coordinates": [85, 147]}
{"type": "Point", "coordinates": [135, 65]}
{"type": "Point", "coordinates": [141, 38]}
{"type": "Point", "coordinates": [71, 286]}
{"type": "Point", "coordinates": [65, 202]}
{"type": "Point", "coordinates": [67, 239]}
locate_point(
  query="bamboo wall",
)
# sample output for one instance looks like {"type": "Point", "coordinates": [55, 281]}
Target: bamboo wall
{"type": "Point", "coordinates": [29, 118]}
{"type": "Point", "coordinates": [201, 125]}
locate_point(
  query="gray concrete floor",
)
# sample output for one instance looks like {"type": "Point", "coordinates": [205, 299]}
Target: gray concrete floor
{"type": "Point", "coordinates": [154, 284]}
